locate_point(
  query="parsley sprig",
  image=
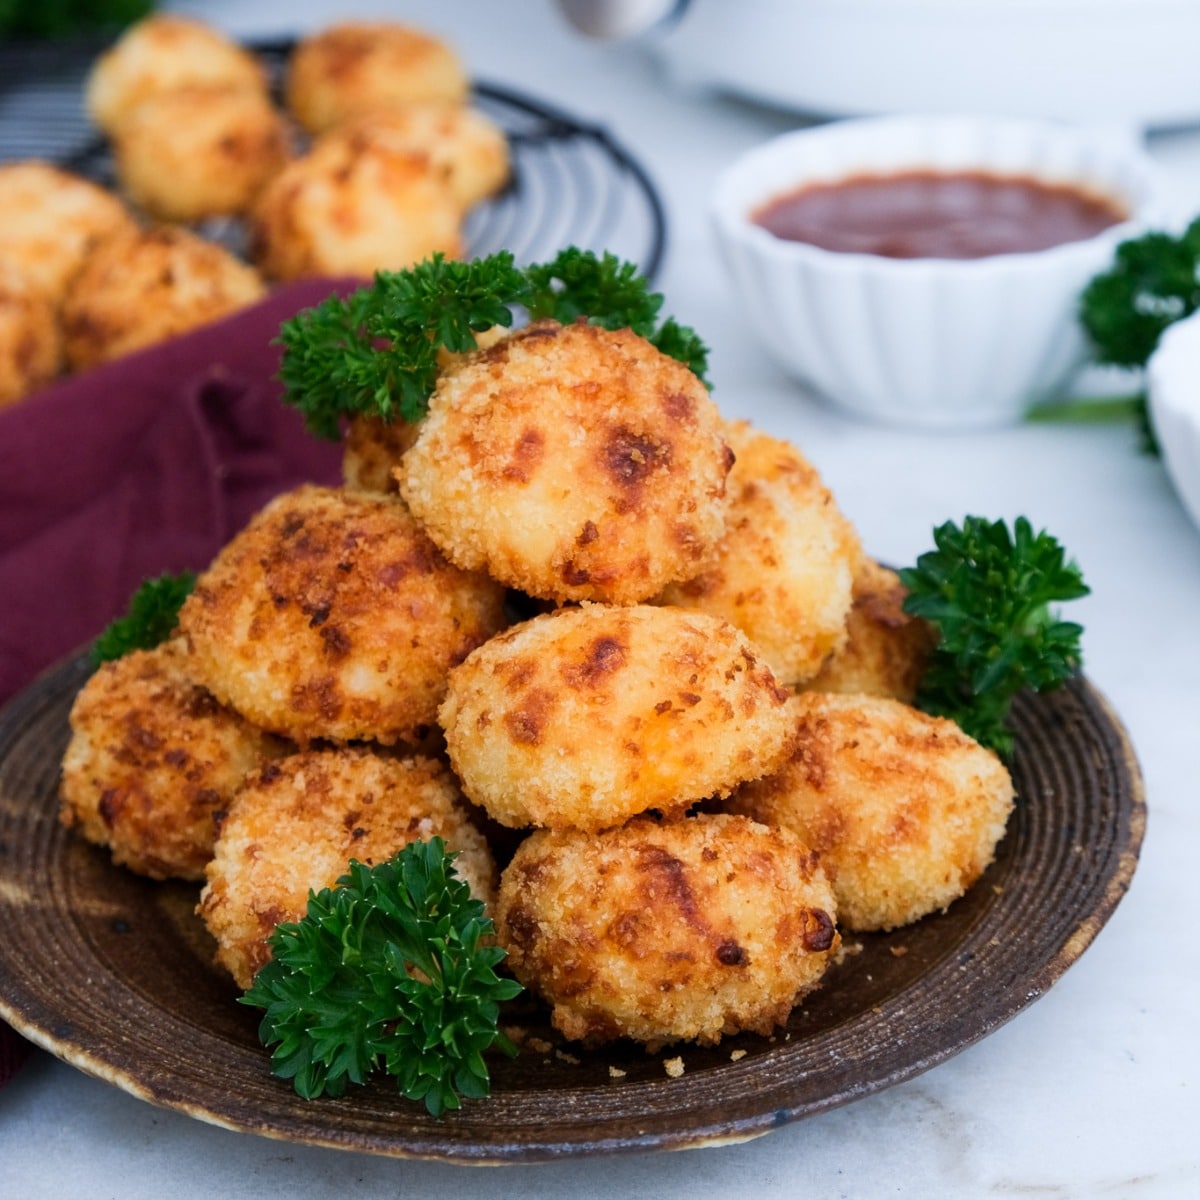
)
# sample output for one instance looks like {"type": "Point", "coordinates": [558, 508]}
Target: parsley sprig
{"type": "Point", "coordinates": [989, 592]}
{"type": "Point", "coordinates": [149, 620]}
{"type": "Point", "coordinates": [391, 970]}
{"type": "Point", "coordinates": [375, 351]}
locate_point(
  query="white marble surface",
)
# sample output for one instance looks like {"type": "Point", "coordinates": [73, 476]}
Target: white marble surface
{"type": "Point", "coordinates": [1092, 1092]}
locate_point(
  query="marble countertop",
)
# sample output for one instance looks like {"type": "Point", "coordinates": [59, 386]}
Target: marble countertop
{"type": "Point", "coordinates": [1090, 1092]}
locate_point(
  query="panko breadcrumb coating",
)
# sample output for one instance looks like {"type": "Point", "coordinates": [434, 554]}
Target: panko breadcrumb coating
{"type": "Point", "coordinates": [204, 150]}
{"type": "Point", "coordinates": [904, 809]}
{"type": "Point", "coordinates": [783, 572]}
{"type": "Point", "coordinates": [572, 462]}
{"type": "Point", "coordinates": [296, 824]}
{"type": "Point", "coordinates": [333, 616]}
{"type": "Point", "coordinates": [152, 760]}
{"type": "Point", "coordinates": [162, 53]}
{"type": "Point", "coordinates": [693, 929]}
{"type": "Point", "coordinates": [142, 287]}
{"type": "Point", "coordinates": [461, 143]}
{"type": "Point", "coordinates": [585, 716]}
{"type": "Point", "coordinates": [30, 341]}
{"type": "Point", "coordinates": [356, 66]}
{"type": "Point", "coordinates": [886, 649]}
{"type": "Point", "coordinates": [51, 221]}
{"type": "Point", "coordinates": [335, 211]}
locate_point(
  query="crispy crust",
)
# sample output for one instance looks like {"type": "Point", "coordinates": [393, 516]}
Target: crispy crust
{"type": "Point", "coordinates": [333, 616]}
{"type": "Point", "coordinates": [296, 825]}
{"type": "Point", "coordinates": [784, 569]}
{"type": "Point", "coordinates": [573, 463]}
{"type": "Point", "coordinates": [904, 809]}
{"type": "Point", "coordinates": [585, 716]}
{"type": "Point", "coordinates": [152, 761]}
{"type": "Point", "coordinates": [693, 929]}
{"type": "Point", "coordinates": [30, 342]}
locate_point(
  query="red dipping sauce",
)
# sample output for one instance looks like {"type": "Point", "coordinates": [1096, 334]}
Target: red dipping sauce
{"type": "Point", "coordinates": [930, 214]}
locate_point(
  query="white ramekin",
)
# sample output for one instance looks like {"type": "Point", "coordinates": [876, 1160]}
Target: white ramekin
{"type": "Point", "coordinates": [927, 342]}
{"type": "Point", "coordinates": [1173, 389]}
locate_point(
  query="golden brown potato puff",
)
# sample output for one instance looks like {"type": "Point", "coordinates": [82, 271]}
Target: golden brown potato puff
{"type": "Point", "coordinates": [332, 615]}
{"type": "Point", "coordinates": [159, 54]}
{"type": "Point", "coordinates": [141, 287]}
{"type": "Point", "coordinates": [200, 150]}
{"type": "Point", "coordinates": [51, 221]}
{"type": "Point", "coordinates": [354, 67]}
{"type": "Point", "coordinates": [573, 463]}
{"type": "Point", "coordinates": [152, 760]}
{"type": "Point", "coordinates": [586, 716]}
{"type": "Point", "coordinates": [904, 809]}
{"type": "Point", "coordinates": [296, 824]}
{"type": "Point", "coordinates": [30, 340]}
{"type": "Point", "coordinates": [693, 929]}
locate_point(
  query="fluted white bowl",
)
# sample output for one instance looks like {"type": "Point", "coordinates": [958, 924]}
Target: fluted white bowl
{"type": "Point", "coordinates": [1173, 389]}
{"type": "Point", "coordinates": [927, 342]}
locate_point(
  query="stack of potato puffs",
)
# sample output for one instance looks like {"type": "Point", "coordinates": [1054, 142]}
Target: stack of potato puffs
{"type": "Point", "coordinates": [371, 160]}
{"type": "Point", "coordinates": [627, 657]}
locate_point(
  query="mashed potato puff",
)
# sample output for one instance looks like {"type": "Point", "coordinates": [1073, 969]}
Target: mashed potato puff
{"type": "Point", "coordinates": [693, 929]}
{"type": "Point", "coordinates": [462, 144]}
{"type": "Point", "coordinates": [333, 616]}
{"type": "Point", "coordinates": [355, 67]}
{"type": "Point", "coordinates": [162, 53]}
{"type": "Point", "coordinates": [886, 649]}
{"type": "Point", "coordinates": [297, 823]}
{"type": "Point", "coordinates": [145, 286]}
{"type": "Point", "coordinates": [573, 463]}
{"type": "Point", "coordinates": [372, 449]}
{"type": "Point", "coordinates": [904, 809]}
{"type": "Point", "coordinates": [30, 341]}
{"type": "Point", "coordinates": [52, 220]}
{"type": "Point", "coordinates": [337, 212]}
{"type": "Point", "coordinates": [203, 150]}
{"type": "Point", "coordinates": [152, 760]}
{"type": "Point", "coordinates": [585, 716]}
{"type": "Point", "coordinates": [783, 572]}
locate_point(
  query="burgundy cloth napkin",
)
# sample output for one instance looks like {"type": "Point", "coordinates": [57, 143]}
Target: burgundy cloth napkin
{"type": "Point", "coordinates": [145, 465]}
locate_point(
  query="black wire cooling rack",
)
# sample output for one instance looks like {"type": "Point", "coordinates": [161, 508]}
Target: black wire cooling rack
{"type": "Point", "coordinates": [572, 182]}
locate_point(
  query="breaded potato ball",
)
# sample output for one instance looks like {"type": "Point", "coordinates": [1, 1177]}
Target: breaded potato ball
{"type": "Point", "coordinates": [692, 929]}
{"type": "Point", "coordinates": [585, 716]}
{"type": "Point", "coordinates": [372, 449]}
{"type": "Point", "coordinates": [332, 615]}
{"type": "Point", "coordinates": [145, 286]}
{"type": "Point", "coordinates": [51, 221]}
{"type": "Point", "coordinates": [572, 462]}
{"type": "Point", "coordinates": [204, 150]}
{"type": "Point", "coordinates": [337, 212]}
{"type": "Point", "coordinates": [355, 67]}
{"type": "Point", "coordinates": [461, 143]}
{"type": "Point", "coordinates": [886, 649]}
{"type": "Point", "coordinates": [784, 570]}
{"type": "Point", "coordinates": [162, 53]}
{"type": "Point", "coordinates": [296, 824]}
{"type": "Point", "coordinates": [904, 809]}
{"type": "Point", "coordinates": [30, 341]}
{"type": "Point", "coordinates": [152, 760]}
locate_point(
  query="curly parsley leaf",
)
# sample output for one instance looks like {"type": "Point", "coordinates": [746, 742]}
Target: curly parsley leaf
{"type": "Point", "coordinates": [989, 592]}
{"type": "Point", "coordinates": [149, 620]}
{"type": "Point", "coordinates": [390, 970]}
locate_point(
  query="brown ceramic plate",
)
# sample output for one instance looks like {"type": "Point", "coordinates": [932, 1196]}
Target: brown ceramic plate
{"type": "Point", "coordinates": [112, 973]}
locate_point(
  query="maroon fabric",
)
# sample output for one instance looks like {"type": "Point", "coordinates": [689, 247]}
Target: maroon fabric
{"type": "Point", "coordinates": [145, 465]}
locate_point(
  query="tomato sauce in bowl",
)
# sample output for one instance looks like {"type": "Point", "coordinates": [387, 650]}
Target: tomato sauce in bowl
{"type": "Point", "coordinates": [932, 214]}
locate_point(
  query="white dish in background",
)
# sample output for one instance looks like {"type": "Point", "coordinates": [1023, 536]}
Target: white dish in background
{"type": "Point", "coordinates": [1116, 61]}
{"type": "Point", "coordinates": [938, 343]}
{"type": "Point", "coordinates": [1173, 390]}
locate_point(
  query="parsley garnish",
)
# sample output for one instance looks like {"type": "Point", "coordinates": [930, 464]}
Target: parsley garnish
{"type": "Point", "coordinates": [988, 592]}
{"type": "Point", "coordinates": [391, 970]}
{"type": "Point", "coordinates": [375, 351]}
{"type": "Point", "coordinates": [148, 621]}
